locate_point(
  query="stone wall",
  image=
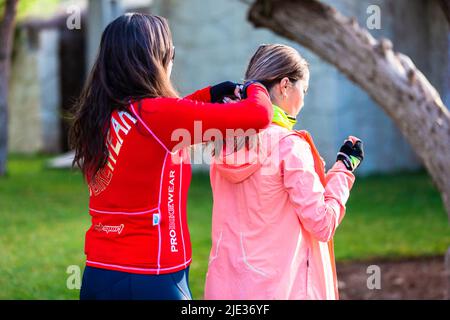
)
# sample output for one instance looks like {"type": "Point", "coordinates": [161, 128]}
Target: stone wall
{"type": "Point", "coordinates": [47, 74]}
{"type": "Point", "coordinates": [25, 125]}
{"type": "Point", "coordinates": [49, 80]}
{"type": "Point", "coordinates": [34, 101]}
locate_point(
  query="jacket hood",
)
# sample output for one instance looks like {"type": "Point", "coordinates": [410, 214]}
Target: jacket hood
{"type": "Point", "coordinates": [239, 165]}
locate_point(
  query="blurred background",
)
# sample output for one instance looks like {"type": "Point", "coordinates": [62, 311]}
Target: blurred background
{"type": "Point", "coordinates": [395, 217]}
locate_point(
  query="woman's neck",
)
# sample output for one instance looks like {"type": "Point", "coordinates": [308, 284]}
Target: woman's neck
{"type": "Point", "coordinates": [280, 105]}
{"type": "Point", "coordinates": [281, 118]}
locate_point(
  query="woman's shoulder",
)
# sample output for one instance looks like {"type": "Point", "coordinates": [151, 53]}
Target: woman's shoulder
{"type": "Point", "coordinates": [286, 138]}
{"type": "Point", "coordinates": [284, 144]}
{"type": "Point", "coordinates": [294, 143]}
{"type": "Point", "coordinates": [151, 101]}
{"type": "Point", "coordinates": [150, 105]}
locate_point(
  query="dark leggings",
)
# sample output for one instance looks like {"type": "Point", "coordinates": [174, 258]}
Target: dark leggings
{"type": "Point", "coordinates": [102, 284]}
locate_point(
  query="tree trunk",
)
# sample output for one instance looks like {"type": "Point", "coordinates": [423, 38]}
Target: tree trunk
{"type": "Point", "coordinates": [6, 37]}
{"type": "Point", "coordinates": [390, 78]}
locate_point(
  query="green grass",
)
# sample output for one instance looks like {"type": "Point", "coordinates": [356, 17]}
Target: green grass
{"type": "Point", "coordinates": [43, 218]}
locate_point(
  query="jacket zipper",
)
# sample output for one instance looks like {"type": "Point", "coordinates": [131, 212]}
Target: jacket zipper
{"type": "Point", "coordinates": [307, 272]}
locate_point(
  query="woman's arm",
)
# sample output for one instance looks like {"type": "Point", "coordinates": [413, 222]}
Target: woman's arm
{"type": "Point", "coordinates": [320, 209]}
{"type": "Point", "coordinates": [203, 95]}
{"type": "Point", "coordinates": [170, 118]}
{"type": "Point", "coordinates": [214, 93]}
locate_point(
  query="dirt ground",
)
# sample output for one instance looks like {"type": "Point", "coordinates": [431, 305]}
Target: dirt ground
{"type": "Point", "coordinates": [422, 278]}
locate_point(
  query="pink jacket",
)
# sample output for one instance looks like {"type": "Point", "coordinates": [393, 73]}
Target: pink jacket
{"type": "Point", "coordinates": [274, 217]}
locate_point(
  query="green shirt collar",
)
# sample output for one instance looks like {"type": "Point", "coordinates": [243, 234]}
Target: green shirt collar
{"type": "Point", "coordinates": [282, 118]}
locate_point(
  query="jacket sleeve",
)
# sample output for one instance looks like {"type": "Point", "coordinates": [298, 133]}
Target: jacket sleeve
{"type": "Point", "coordinates": [320, 209]}
{"type": "Point", "coordinates": [182, 122]}
{"type": "Point", "coordinates": [203, 95]}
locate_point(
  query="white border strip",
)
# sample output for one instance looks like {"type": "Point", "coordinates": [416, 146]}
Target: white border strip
{"type": "Point", "coordinates": [138, 269]}
{"type": "Point", "coordinates": [123, 212]}
{"type": "Point", "coordinates": [179, 205]}
{"type": "Point", "coordinates": [159, 206]}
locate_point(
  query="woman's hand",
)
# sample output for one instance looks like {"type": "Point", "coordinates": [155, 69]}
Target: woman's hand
{"type": "Point", "coordinates": [225, 89]}
{"type": "Point", "coordinates": [351, 153]}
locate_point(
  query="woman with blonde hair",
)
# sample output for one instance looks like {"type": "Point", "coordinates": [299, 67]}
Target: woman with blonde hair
{"type": "Point", "coordinates": [275, 209]}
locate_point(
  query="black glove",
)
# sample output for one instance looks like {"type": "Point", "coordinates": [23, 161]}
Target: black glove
{"type": "Point", "coordinates": [222, 90]}
{"type": "Point", "coordinates": [351, 154]}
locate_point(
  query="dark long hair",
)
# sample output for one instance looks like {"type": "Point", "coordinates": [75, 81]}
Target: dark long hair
{"type": "Point", "coordinates": [132, 63]}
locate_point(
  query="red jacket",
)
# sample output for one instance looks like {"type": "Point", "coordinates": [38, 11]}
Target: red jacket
{"type": "Point", "coordinates": [138, 200]}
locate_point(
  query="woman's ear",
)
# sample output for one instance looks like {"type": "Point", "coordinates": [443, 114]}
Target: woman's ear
{"type": "Point", "coordinates": [284, 83]}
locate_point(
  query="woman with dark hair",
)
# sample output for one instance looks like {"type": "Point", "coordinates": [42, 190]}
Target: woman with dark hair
{"type": "Point", "coordinates": [138, 246]}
